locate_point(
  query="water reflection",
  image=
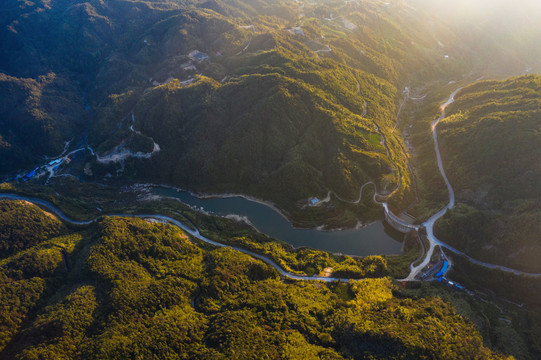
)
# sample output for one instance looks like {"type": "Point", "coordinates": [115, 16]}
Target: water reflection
{"type": "Point", "coordinates": [376, 238]}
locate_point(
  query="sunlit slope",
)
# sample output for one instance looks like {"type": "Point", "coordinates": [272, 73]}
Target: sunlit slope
{"type": "Point", "coordinates": [491, 146]}
{"type": "Point", "coordinates": [329, 91]}
{"type": "Point", "coordinates": [272, 134]}
{"type": "Point", "coordinates": [114, 54]}
{"type": "Point", "coordinates": [348, 61]}
{"type": "Point", "coordinates": [268, 132]}
{"type": "Point", "coordinates": [126, 288]}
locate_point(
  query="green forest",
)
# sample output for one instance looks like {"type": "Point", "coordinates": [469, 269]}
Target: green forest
{"type": "Point", "coordinates": [491, 146]}
{"type": "Point", "coordinates": [287, 102]}
{"type": "Point", "coordinates": [281, 100]}
{"type": "Point", "coordinates": [128, 288]}
{"type": "Point", "coordinates": [277, 121]}
{"type": "Point", "coordinates": [264, 112]}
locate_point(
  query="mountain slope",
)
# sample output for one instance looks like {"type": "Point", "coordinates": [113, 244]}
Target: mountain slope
{"type": "Point", "coordinates": [309, 126]}
{"type": "Point", "coordinates": [344, 59]}
{"type": "Point", "coordinates": [127, 288]}
{"type": "Point", "coordinates": [491, 147]}
{"type": "Point", "coordinates": [37, 117]}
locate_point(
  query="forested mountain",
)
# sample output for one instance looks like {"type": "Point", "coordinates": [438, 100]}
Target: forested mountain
{"type": "Point", "coordinates": [276, 91]}
{"type": "Point", "coordinates": [491, 145]}
{"type": "Point", "coordinates": [298, 96]}
{"type": "Point", "coordinates": [37, 116]}
{"type": "Point", "coordinates": [127, 288]}
{"type": "Point", "coordinates": [290, 102]}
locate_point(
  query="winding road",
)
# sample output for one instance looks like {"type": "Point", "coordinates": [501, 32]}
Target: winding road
{"type": "Point", "coordinates": [388, 213]}
{"type": "Point", "coordinates": [414, 270]}
{"type": "Point", "coordinates": [187, 229]}
{"type": "Point", "coordinates": [356, 201]}
{"type": "Point", "coordinates": [429, 224]}
{"type": "Point", "coordinates": [120, 153]}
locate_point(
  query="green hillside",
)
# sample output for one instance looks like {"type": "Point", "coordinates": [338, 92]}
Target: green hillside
{"type": "Point", "coordinates": [280, 138]}
{"type": "Point", "coordinates": [37, 116]}
{"type": "Point", "coordinates": [268, 117]}
{"type": "Point", "coordinates": [284, 101]}
{"type": "Point", "coordinates": [265, 110]}
{"type": "Point", "coordinates": [126, 288]}
{"type": "Point", "coordinates": [347, 60]}
{"type": "Point", "coordinates": [491, 147]}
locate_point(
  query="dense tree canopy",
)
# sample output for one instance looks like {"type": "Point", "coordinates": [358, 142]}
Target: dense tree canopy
{"type": "Point", "coordinates": [127, 288]}
{"type": "Point", "coordinates": [491, 145]}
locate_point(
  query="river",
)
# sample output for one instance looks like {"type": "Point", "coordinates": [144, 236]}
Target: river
{"type": "Point", "coordinates": [374, 239]}
{"type": "Point", "coordinates": [192, 231]}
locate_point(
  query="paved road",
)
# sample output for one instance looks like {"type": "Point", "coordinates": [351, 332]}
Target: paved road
{"type": "Point", "coordinates": [414, 270]}
{"type": "Point", "coordinates": [358, 200]}
{"type": "Point", "coordinates": [191, 231]}
{"type": "Point", "coordinates": [429, 224]}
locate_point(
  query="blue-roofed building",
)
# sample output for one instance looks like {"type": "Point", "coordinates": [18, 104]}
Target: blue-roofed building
{"type": "Point", "coordinates": [443, 269]}
{"type": "Point", "coordinates": [54, 162]}
{"type": "Point", "coordinates": [31, 173]}
{"type": "Point", "coordinates": [314, 201]}
{"type": "Point", "coordinates": [197, 55]}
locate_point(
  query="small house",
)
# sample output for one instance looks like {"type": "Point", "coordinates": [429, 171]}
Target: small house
{"type": "Point", "coordinates": [198, 56]}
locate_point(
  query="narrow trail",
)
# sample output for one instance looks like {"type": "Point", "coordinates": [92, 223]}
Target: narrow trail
{"type": "Point", "coordinates": [355, 202]}
{"type": "Point", "coordinates": [244, 49]}
{"type": "Point", "coordinates": [388, 213]}
{"type": "Point", "coordinates": [406, 97]}
{"type": "Point", "coordinates": [383, 143]}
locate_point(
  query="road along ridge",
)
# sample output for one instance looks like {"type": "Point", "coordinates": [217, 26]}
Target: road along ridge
{"type": "Point", "coordinates": [194, 232]}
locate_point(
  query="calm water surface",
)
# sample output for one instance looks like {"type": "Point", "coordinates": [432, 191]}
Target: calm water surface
{"type": "Point", "coordinates": [373, 239]}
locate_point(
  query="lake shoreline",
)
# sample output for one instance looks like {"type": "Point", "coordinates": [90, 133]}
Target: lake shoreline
{"type": "Point", "coordinates": [201, 195]}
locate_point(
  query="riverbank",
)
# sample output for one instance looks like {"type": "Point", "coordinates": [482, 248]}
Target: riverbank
{"type": "Point", "coordinates": [79, 200]}
{"type": "Point", "coordinates": [359, 225]}
{"type": "Point", "coordinates": [373, 239]}
{"type": "Point", "coordinates": [191, 230]}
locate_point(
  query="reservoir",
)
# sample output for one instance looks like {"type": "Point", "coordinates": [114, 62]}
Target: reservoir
{"type": "Point", "coordinates": [374, 239]}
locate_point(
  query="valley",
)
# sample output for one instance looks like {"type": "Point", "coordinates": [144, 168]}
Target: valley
{"type": "Point", "coordinates": [233, 161]}
{"type": "Point", "coordinates": [417, 272]}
